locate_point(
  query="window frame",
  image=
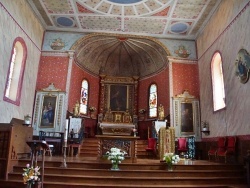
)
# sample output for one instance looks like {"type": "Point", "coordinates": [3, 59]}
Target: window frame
{"type": "Point", "coordinates": [217, 84]}
{"type": "Point", "coordinates": [87, 105]}
{"type": "Point", "coordinates": [21, 72]}
{"type": "Point", "coordinates": [149, 93]}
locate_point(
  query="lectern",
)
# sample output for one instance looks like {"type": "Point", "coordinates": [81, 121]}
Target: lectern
{"type": "Point", "coordinates": [36, 146]}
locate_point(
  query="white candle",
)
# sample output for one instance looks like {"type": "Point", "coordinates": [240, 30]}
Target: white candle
{"type": "Point", "coordinates": [66, 130]}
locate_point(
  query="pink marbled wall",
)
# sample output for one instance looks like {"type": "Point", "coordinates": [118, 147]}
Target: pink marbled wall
{"type": "Point", "coordinates": [234, 119]}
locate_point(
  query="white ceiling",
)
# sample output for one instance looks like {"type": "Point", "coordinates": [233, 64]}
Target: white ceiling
{"type": "Point", "coordinates": [176, 19]}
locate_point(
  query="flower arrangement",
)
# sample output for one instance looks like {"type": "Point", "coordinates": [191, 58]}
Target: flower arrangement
{"type": "Point", "coordinates": [171, 159]}
{"type": "Point", "coordinates": [92, 109]}
{"type": "Point", "coordinates": [204, 125]}
{"type": "Point", "coordinates": [142, 111]}
{"type": "Point", "coordinates": [31, 174]}
{"type": "Point", "coordinates": [115, 155]}
{"type": "Point", "coordinates": [182, 52]}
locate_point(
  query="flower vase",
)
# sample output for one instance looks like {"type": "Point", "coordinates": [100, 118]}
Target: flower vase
{"type": "Point", "coordinates": [134, 134]}
{"type": "Point", "coordinates": [37, 184]}
{"type": "Point", "coordinates": [170, 167]}
{"type": "Point", "coordinates": [114, 166]}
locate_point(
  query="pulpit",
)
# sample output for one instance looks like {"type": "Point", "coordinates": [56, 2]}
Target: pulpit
{"type": "Point", "coordinates": [37, 146]}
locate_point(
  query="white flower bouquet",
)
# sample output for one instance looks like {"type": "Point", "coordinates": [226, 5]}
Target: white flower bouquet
{"type": "Point", "coordinates": [115, 155]}
{"type": "Point", "coordinates": [171, 159]}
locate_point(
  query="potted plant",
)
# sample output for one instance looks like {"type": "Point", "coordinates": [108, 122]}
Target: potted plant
{"type": "Point", "coordinates": [205, 126]}
{"type": "Point", "coordinates": [27, 119]}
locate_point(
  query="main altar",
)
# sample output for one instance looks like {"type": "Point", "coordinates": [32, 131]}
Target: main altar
{"type": "Point", "coordinates": [117, 120]}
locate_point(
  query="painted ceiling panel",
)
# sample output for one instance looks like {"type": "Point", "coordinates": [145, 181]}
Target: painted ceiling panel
{"type": "Point", "coordinates": [127, 16]}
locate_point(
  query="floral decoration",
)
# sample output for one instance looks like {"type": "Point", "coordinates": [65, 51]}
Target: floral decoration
{"type": "Point", "coordinates": [142, 111]}
{"type": "Point", "coordinates": [182, 52]}
{"type": "Point", "coordinates": [92, 109]}
{"type": "Point", "coordinates": [115, 155]}
{"type": "Point", "coordinates": [171, 159]}
{"type": "Point", "coordinates": [31, 174]}
{"type": "Point", "coordinates": [204, 125]}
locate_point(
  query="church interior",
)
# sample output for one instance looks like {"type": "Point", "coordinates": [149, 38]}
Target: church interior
{"type": "Point", "coordinates": [163, 84]}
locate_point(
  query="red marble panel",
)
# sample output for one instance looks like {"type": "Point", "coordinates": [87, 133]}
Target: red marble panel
{"type": "Point", "coordinates": [185, 77]}
{"type": "Point", "coordinates": [52, 70]}
{"type": "Point", "coordinates": [75, 87]}
{"type": "Point", "coordinates": [162, 81]}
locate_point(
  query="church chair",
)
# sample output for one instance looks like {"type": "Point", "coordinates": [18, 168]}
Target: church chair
{"type": "Point", "coordinates": [229, 149]}
{"type": "Point", "coordinates": [221, 146]}
{"type": "Point", "coordinates": [151, 148]}
{"type": "Point", "coordinates": [182, 147]}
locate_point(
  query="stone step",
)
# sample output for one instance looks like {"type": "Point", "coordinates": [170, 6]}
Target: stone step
{"type": "Point", "coordinates": [105, 164]}
{"type": "Point", "coordinates": [104, 180]}
{"type": "Point", "coordinates": [134, 173]}
{"type": "Point", "coordinates": [15, 184]}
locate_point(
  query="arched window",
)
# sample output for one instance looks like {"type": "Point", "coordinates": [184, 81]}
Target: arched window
{"type": "Point", "coordinates": [218, 82]}
{"type": "Point", "coordinates": [14, 80]}
{"type": "Point", "coordinates": [152, 101]}
{"type": "Point", "coordinates": [84, 97]}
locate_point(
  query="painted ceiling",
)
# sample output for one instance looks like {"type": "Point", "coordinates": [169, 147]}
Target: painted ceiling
{"type": "Point", "coordinates": [177, 19]}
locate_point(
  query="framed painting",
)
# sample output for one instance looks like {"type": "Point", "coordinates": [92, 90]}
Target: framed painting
{"type": "Point", "coordinates": [49, 104]}
{"type": "Point", "coordinates": [118, 97]}
{"type": "Point", "coordinates": [49, 112]}
{"type": "Point", "coordinates": [186, 116]}
{"type": "Point", "coordinates": [242, 66]}
{"type": "Point", "coordinates": [187, 122]}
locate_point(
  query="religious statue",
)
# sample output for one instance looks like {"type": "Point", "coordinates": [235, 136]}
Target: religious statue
{"type": "Point", "coordinates": [76, 109]}
{"type": "Point", "coordinates": [161, 115]}
{"type": "Point", "coordinates": [108, 116]}
{"type": "Point", "coordinates": [127, 117]}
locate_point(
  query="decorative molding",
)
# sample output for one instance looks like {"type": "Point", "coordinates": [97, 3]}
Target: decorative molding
{"type": "Point", "coordinates": [173, 59]}
{"type": "Point", "coordinates": [55, 54]}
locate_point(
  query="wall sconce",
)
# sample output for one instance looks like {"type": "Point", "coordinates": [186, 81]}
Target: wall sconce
{"type": "Point", "coordinates": [205, 127]}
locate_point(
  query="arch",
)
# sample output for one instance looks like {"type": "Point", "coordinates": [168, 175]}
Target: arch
{"type": "Point", "coordinates": [13, 86]}
{"type": "Point", "coordinates": [218, 82]}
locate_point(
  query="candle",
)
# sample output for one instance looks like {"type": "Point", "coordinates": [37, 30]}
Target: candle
{"type": "Point", "coordinates": [66, 131]}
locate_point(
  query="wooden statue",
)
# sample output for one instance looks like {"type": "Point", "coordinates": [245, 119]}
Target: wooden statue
{"type": "Point", "coordinates": [76, 109]}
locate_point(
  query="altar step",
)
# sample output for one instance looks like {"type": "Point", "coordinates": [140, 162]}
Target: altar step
{"type": "Point", "coordinates": [148, 174]}
{"type": "Point", "coordinates": [89, 148]}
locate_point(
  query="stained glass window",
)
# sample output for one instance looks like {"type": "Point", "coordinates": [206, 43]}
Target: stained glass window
{"type": "Point", "coordinates": [84, 97]}
{"type": "Point", "coordinates": [152, 101]}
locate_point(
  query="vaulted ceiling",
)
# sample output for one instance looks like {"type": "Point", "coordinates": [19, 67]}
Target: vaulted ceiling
{"type": "Point", "coordinates": [159, 18]}
{"type": "Point", "coordinates": [123, 42]}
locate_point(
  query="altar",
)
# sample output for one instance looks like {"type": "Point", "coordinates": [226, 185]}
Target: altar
{"type": "Point", "coordinates": [124, 143]}
{"type": "Point", "coordinates": [117, 128]}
